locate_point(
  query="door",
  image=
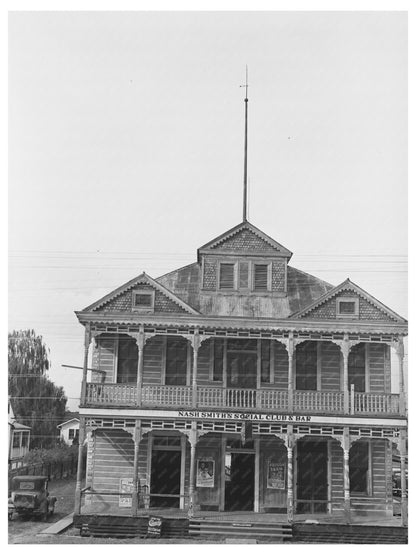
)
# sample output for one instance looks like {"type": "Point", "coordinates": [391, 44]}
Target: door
{"type": "Point", "coordinates": [239, 482]}
{"type": "Point", "coordinates": [242, 370]}
{"type": "Point", "coordinates": [312, 476]}
{"type": "Point", "coordinates": [165, 480]}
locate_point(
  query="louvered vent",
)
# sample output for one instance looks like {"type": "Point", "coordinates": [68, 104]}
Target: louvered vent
{"type": "Point", "coordinates": [226, 276]}
{"type": "Point", "coordinates": [260, 277]}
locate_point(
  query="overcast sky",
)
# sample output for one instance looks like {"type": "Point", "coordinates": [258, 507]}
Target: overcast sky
{"type": "Point", "coordinates": [126, 151]}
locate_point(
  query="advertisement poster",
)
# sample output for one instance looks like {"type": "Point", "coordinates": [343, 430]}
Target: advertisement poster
{"type": "Point", "coordinates": [276, 475]}
{"type": "Point", "coordinates": [126, 488]}
{"type": "Point", "coordinates": [205, 473]}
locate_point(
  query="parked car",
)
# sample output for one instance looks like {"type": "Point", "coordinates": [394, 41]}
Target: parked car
{"type": "Point", "coordinates": [30, 496]}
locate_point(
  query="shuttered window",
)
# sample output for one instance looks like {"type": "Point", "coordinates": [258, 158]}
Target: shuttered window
{"type": "Point", "coordinates": [176, 361]}
{"type": "Point", "coordinates": [265, 361]}
{"type": "Point", "coordinates": [226, 276]}
{"type": "Point", "coordinates": [359, 467]}
{"type": "Point", "coordinates": [260, 277]}
{"type": "Point", "coordinates": [218, 360]}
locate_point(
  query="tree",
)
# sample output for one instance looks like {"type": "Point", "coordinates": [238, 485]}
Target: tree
{"type": "Point", "coordinates": [37, 402]}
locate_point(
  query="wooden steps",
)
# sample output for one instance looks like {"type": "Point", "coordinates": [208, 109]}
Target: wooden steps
{"type": "Point", "coordinates": [264, 531]}
{"type": "Point", "coordinates": [349, 534]}
{"type": "Point", "coordinates": [113, 526]}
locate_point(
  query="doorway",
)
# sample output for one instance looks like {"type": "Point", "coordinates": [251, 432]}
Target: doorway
{"type": "Point", "coordinates": [312, 476]}
{"type": "Point", "coordinates": [165, 475]}
{"type": "Point", "coordinates": [242, 370]}
{"type": "Point", "coordinates": [239, 481]}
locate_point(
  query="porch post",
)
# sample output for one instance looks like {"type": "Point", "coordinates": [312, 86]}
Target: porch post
{"type": "Point", "coordinates": [140, 346]}
{"type": "Point", "coordinates": [257, 475]}
{"type": "Point", "coordinates": [289, 447]}
{"type": "Point", "coordinates": [196, 343]}
{"type": "Point", "coordinates": [135, 496]}
{"type": "Point", "coordinates": [399, 348]}
{"type": "Point", "coordinates": [403, 481]}
{"type": "Point", "coordinates": [192, 439]}
{"type": "Point", "coordinates": [290, 351]}
{"type": "Point", "coordinates": [77, 508]}
{"type": "Point", "coordinates": [345, 348]}
{"type": "Point", "coordinates": [347, 498]}
{"type": "Point", "coordinates": [87, 341]}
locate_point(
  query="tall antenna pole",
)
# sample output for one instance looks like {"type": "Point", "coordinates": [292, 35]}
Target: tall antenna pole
{"type": "Point", "coordinates": [245, 150]}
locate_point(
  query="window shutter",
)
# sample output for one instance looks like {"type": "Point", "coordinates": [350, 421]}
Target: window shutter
{"type": "Point", "coordinates": [226, 276]}
{"type": "Point", "coordinates": [260, 277]}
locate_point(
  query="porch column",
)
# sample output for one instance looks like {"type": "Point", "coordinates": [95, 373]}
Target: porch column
{"type": "Point", "coordinates": [399, 348]}
{"type": "Point", "coordinates": [87, 341]}
{"type": "Point", "coordinates": [289, 447]}
{"type": "Point", "coordinates": [196, 343]}
{"type": "Point", "coordinates": [135, 497]}
{"type": "Point", "coordinates": [403, 481]}
{"type": "Point", "coordinates": [77, 508]}
{"type": "Point", "coordinates": [290, 351]}
{"type": "Point", "coordinates": [192, 439]}
{"type": "Point", "coordinates": [347, 498]}
{"type": "Point", "coordinates": [140, 345]}
{"type": "Point", "coordinates": [257, 475]}
{"type": "Point", "coordinates": [345, 349]}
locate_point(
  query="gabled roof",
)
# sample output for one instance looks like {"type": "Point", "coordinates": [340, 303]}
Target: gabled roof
{"type": "Point", "coordinates": [67, 422]}
{"type": "Point", "coordinates": [220, 243]}
{"type": "Point", "coordinates": [139, 280]}
{"type": "Point", "coordinates": [348, 286]}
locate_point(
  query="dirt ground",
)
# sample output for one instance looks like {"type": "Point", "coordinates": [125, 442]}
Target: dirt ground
{"type": "Point", "coordinates": [24, 531]}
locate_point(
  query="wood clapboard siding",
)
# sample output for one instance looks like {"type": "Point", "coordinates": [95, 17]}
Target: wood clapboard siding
{"type": "Point", "coordinates": [114, 458]}
{"type": "Point", "coordinates": [330, 366]}
{"type": "Point", "coordinates": [337, 476]}
{"type": "Point", "coordinates": [208, 446]}
{"type": "Point", "coordinates": [105, 359]}
{"type": "Point", "coordinates": [153, 361]}
{"type": "Point", "coordinates": [376, 363]}
{"type": "Point", "coordinates": [204, 363]}
{"type": "Point", "coordinates": [281, 365]}
{"type": "Point", "coordinates": [381, 482]}
{"type": "Point", "coordinates": [143, 471]}
{"type": "Point", "coordinates": [272, 448]}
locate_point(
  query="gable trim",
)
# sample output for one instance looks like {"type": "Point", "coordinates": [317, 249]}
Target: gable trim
{"type": "Point", "coordinates": [140, 280]}
{"type": "Point", "coordinates": [348, 285]}
{"type": "Point", "coordinates": [283, 251]}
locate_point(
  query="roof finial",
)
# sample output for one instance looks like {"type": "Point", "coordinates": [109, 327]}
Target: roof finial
{"type": "Point", "coordinates": [245, 149]}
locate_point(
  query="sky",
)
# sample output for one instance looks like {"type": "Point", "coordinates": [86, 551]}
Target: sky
{"type": "Point", "coordinates": [126, 135]}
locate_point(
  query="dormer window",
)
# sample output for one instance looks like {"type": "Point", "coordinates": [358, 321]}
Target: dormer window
{"type": "Point", "coordinates": [347, 307]}
{"type": "Point", "coordinates": [227, 276]}
{"type": "Point", "coordinates": [143, 300]}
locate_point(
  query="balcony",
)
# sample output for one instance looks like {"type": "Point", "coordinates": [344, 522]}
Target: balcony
{"type": "Point", "coordinates": [267, 400]}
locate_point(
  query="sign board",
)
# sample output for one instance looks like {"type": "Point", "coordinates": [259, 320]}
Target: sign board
{"type": "Point", "coordinates": [245, 416]}
{"type": "Point", "coordinates": [205, 473]}
{"type": "Point", "coordinates": [154, 526]}
{"type": "Point", "coordinates": [276, 475]}
{"type": "Point", "coordinates": [126, 492]}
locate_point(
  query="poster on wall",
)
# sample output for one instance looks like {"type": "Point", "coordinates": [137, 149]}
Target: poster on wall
{"type": "Point", "coordinates": [126, 491]}
{"type": "Point", "coordinates": [276, 475]}
{"type": "Point", "coordinates": [205, 473]}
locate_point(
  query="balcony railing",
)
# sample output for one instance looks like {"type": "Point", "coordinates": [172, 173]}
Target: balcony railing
{"type": "Point", "coordinates": [268, 400]}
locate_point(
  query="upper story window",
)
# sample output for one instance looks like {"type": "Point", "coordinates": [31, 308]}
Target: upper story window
{"type": "Point", "coordinates": [261, 274]}
{"type": "Point", "coordinates": [227, 276]}
{"type": "Point", "coordinates": [143, 300]}
{"type": "Point", "coordinates": [347, 307]}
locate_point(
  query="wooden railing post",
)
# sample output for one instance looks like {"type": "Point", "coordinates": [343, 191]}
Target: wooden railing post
{"type": "Point", "coordinates": [403, 480]}
{"type": "Point", "coordinates": [140, 345]}
{"type": "Point", "coordinates": [196, 343]}
{"type": "Point", "coordinates": [87, 341]}
{"type": "Point", "coordinates": [345, 349]}
{"type": "Point", "coordinates": [290, 352]}
{"type": "Point", "coordinates": [289, 446]}
{"type": "Point", "coordinates": [135, 495]}
{"type": "Point", "coordinates": [193, 440]}
{"type": "Point", "coordinates": [81, 440]}
{"type": "Point", "coordinates": [347, 497]}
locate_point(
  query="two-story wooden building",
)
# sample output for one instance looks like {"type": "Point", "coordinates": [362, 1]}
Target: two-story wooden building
{"type": "Point", "coordinates": [239, 383]}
